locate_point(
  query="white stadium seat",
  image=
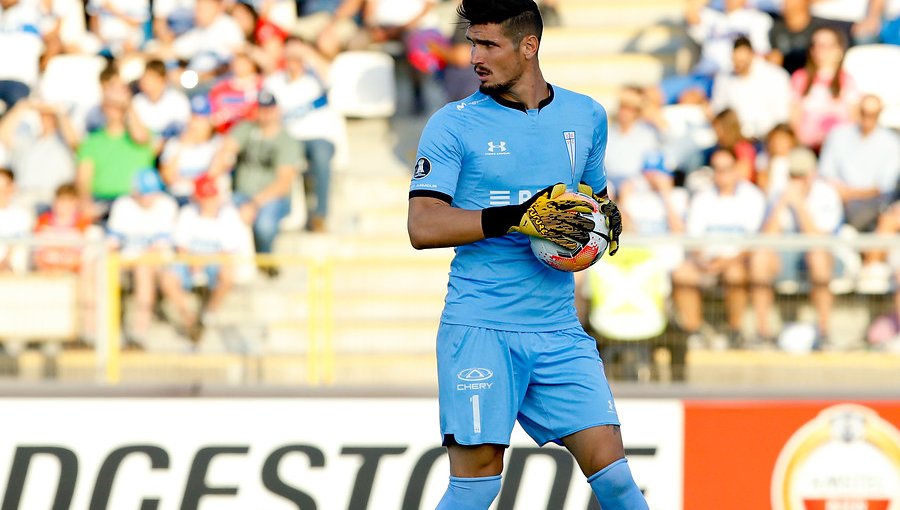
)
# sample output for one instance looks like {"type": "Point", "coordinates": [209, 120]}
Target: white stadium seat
{"type": "Point", "coordinates": [876, 70]}
{"type": "Point", "coordinates": [363, 84]}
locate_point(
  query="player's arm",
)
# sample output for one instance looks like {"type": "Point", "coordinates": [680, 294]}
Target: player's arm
{"type": "Point", "coordinates": [434, 223]}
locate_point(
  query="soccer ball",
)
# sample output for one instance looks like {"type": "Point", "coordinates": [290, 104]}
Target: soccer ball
{"type": "Point", "coordinates": [583, 257]}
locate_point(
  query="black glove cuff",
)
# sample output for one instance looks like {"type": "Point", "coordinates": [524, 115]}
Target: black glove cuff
{"type": "Point", "coordinates": [496, 221]}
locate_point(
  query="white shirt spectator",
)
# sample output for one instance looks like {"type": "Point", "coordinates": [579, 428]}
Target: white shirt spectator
{"type": "Point", "coordinates": [114, 31]}
{"type": "Point", "coordinates": [220, 39]}
{"type": "Point", "coordinates": [713, 214]}
{"type": "Point", "coordinates": [21, 43]}
{"type": "Point", "coordinates": [193, 161]}
{"type": "Point", "coordinates": [761, 99]}
{"type": "Point", "coordinates": [205, 235]}
{"type": "Point", "coordinates": [859, 161]}
{"type": "Point", "coordinates": [69, 14]}
{"type": "Point", "coordinates": [304, 107]}
{"type": "Point", "coordinates": [627, 152]}
{"type": "Point", "coordinates": [825, 203]}
{"type": "Point", "coordinates": [779, 169]}
{"type": "Point", "coordinates": [717, 31]}
{"type": "Point", "coordinates": [137, 228]}
{"type": "Point", "coordinates": [41, 164]}
{"type": "Point", "coordinates": [647, 210]}
{"type": "Point", "coordinates": [179, 14]}
{"type": "Point", "coordinates": [165, 117]}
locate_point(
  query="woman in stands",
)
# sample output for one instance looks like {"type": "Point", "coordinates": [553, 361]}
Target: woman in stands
{"type": "Point", "coordinates": [824, 94]}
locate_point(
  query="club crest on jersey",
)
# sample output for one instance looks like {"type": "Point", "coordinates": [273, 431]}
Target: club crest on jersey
{"type": "Point", "coordinates": [496, 148]}
{"type": "Point", "coordinates": [422, 168]}
{"type": "Point", "coordinates": [569, 137]}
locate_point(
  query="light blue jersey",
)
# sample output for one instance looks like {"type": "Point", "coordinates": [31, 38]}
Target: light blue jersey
{"type": "Point", "coordinates": [482, 152]}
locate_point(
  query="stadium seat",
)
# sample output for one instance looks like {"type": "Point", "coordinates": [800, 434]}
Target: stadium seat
{"type": "Point", "coordinates": [876, 70]}
{"type": "Point", "coordinates": [73, 81]}
{"type": "Point", "coordinates": [363, 84]}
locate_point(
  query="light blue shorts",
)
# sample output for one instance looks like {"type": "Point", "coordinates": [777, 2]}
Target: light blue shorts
{"type": "Point", "coordinates": [551, 382]}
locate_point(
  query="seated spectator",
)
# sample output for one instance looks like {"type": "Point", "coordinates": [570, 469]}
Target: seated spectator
{"type": "Point", "coordinates": [729, 135]}
{"type": "Point", "coordinates": [732, 207]}
{"type": "Point", "coordinates": [64, 223]}
{"type": "Point", "coordinates": [209, 227]}
{"type": "Point", "coordinates": [301, 93]}
{"type": "Point", "coordinates": [264, 38]}
{"type": "Point", "coordinates": [458, 77]}
{"type": "Point", "coordinates": [212, 41]}
{"type": "Point", "coordinates": [119, 24]}
{"type": "Point", "coordinates": [162, 109]}
{"type": "Point", "coordinates": [791, 35]}
{"type": "Point", "coordinates": [862, 161]}
{"type": "Point", "coordinates": [772, 163]}
{"type": "Point", "coordinates": [715, 32]}
{"type": "Point", "coordinates": [190, 155]}
{"type": "Point", "coordinates": [631, 140]}
{"type": "Point", "coordinates": [756, 90]}
{"type": "Point", "coordinates": [823, 94]}
{"type": "Point", "coordinates": [42, 160]}
{"type": "Point", "coordinates": [141, 224]}
{"type": "Point", "coordinates": [807, 205]}
{"type": "Point", "coordinates": [882, 23]}
{"type": "Point", "coordinates": [21, 44]}
{"type": "Point", "coordinates": [111, 86]}
{"type": "Point", "coordinates": [234, 98]}
{"type": "Point", "coordinates": [329, 25]}
{"type": "Point", "coordinates": [109, 159]}
{"type": "Point", "coordinates": [172, 18]}
{"type": "Point", "coordinates": [15, 223]}
{"type": "Point", "coordinates": [64, 23]}
{"type": "Point", "coordinates": [267, 160]}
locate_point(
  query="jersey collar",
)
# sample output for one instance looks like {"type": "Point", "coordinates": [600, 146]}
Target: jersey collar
{"type": "Point", "coordinates": [515, 105]}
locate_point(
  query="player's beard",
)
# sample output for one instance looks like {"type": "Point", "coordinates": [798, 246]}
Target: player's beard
{"type": "Point", "coordinates": [496, 89]}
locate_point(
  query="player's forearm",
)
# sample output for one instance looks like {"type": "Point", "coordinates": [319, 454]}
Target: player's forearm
{"type": "Point", "coordinates": [435, 224]}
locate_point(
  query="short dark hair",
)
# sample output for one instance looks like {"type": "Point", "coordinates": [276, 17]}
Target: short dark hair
{"type": "Point", "coordinates": [157, 67]}
{"type": "Point", "coordinates": [8, 173]}
{"type": "Point", "coordinates": [743, 42]}
{"type": "Point", "coordinates": [518, 18]}
{"type": "Point", "coordinates": [66, 190]}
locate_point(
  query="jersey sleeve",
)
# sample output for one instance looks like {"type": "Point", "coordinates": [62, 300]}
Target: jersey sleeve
{"type": "Point", "coordinates": [438, 160]}
{"type": "Point", "coordinates": [595, 166]}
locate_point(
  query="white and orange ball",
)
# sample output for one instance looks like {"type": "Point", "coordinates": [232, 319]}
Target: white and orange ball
{"type": "Point", "coordinates": [583, 257]}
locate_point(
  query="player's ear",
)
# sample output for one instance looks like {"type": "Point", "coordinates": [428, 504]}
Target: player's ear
{"type": "Point", "coordinates": [529, 46]}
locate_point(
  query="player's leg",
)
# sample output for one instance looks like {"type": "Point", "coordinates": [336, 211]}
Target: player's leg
{"type": "Point", "coordinates": [478, 402]}
{"type": "Point", "coordinates": [601, 457]}
{"type": "Point", "coordinates": [474, 476]}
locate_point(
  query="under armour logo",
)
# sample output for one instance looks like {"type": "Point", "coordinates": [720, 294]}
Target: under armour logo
{"type": "Point", "coordinates": [501, 146]}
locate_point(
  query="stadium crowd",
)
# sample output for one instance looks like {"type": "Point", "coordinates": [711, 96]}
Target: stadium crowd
{"type": "Point", "coordinates": [212, 113]}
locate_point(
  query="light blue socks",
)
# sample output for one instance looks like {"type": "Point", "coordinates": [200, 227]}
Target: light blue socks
{"type": "Point", "coordinates": [470, 493]}
{"type": "Point", "coordinates": [615, 488]}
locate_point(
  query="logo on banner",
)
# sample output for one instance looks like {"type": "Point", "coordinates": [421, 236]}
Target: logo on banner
{"type": "Point", "coordinates": [847, 458]}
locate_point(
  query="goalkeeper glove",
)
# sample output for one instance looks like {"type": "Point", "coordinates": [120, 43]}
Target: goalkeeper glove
{"type": "Point", "coordinates": [543, 215]}
{"type": "Point", "coordinates": [613, 218]}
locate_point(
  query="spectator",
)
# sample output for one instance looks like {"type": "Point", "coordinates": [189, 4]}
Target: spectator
{"type": "Point", "coordinates": [15, 223]}
{"type": "Point", "coordinates": [119, 24]}
{"type": "Point", "coordinates": [810, 206]}
{"type": "Point", "coordinates": [302, 94]}
{"type": "Point", "coordinates": [64, 24]}
{"type": "Point", "coordinates": [862, 160]}
{"type": "Point", "coordinates": [267, 162]}
{"type": "Point", "coordinates": [882, 22]}
{"type": "Point", "coordinates": [329, 25]}
{"type": "Point", "coordinates": [112, 86]}
{"type": "Point", "coordinates": [190, 155]}
{"type": "Point", "coordinates": [161, 109]}
{"type": "Point", "coordinates": [21, 45]}
{"type": "Point", "coordinates": [791, 35]}
{"type": "Point", "coordinates": [631, 140]}
{"type": "Point", "coordinates": [733, 207]}
{"type": "Point", "coordinates": [142, 224]}
{"type": "Point", "coordinates": [458, 78]}
{"type": "Point", "coordinates": [823, 94]}
{"type": "Point", "coordinates": [213, 40]}
{"type": "Point", "coordinates": [234, 98]}
{"type": "Point", "coordinates": [729, 135]}
{"type": "Point", "coordinates": [109, 158]}
{"type": "Point", "coordinates": [63, 223]}
{"type": "Point", "coordinates": [715, 32]}
{"type": "Point", "coordinates": [42, 159]}
{"type": "Point", "coordinates": [209, 227]}
{"type": "Point", "coordinates": [889, 225]}
{"type": "Point", "coordinates": [756, 90]}
{"type": "Point", "coordinates": [772, 164]}
{"type": "Point", "coordinates": [265, 39]}
{"type": "Point", "coordinates": [172, 18]}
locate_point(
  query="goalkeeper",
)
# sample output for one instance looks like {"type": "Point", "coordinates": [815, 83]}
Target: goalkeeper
{"type": "Point", "coordinates": [489, 173]}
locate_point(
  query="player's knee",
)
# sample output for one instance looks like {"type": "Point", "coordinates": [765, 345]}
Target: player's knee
{"type": "Point", "coordinates": [470, 493]}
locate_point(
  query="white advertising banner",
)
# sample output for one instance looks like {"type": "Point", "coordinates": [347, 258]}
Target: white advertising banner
{"type": "Point", "coordinates": [282, 453]}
